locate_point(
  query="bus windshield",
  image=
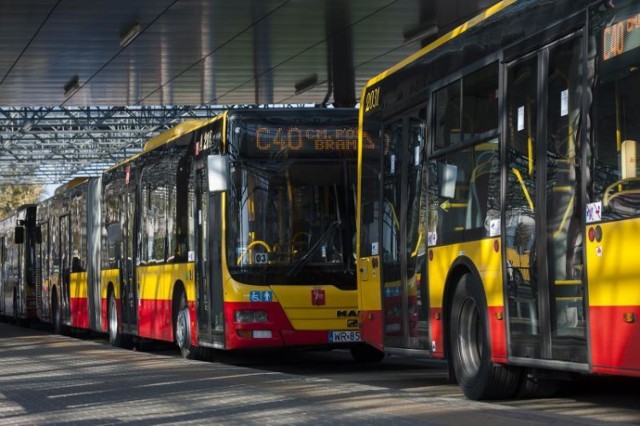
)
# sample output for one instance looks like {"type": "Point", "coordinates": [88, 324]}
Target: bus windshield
{"type": "Point", "coordinates": [291, 222]}
{"type": "Point", "coordinates": [617, 126]}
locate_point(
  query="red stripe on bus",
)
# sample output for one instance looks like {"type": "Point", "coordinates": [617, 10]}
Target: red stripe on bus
{"type": "Point", "coordinates": [437, 333]}
{"type": "Point", "coordinates": [104, 316]}
{"type": "Point", "coordinates": [156, 320]}
{"type": "Point", "coordinates": [278, 324]}
{"type": "Point", "coordinates": [79, 312]}
{"type": "Point", "coordinates": [497, 334]}
{"type": "Point", "coordinates": [371, 328]}
{"type": "Point", "coordinates": [615, 344]}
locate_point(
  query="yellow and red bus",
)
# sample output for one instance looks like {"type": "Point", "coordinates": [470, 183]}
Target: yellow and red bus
{"type": "Point", "coordinates": [499, 198]}
{"type": "Point", "coordinates": [18, 238]}
{"type": "Point", "coordinates": [235, 232]}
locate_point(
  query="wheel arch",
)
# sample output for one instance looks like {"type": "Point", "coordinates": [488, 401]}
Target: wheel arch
{"type": "Point", "coordinates": [463, 265]}
{"type": "Point", "coordinates": [178, 287]}
{"type": "Point", "coordinates": [55, 292]}
{"type": "Point", "coordinates": [111, 289]}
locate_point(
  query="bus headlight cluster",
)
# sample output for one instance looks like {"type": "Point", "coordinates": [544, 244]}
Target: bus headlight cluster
{"type": "Point", "coordinates": [250, 316]}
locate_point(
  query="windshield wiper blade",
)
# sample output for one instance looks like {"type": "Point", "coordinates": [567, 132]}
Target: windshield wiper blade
{"type": "Point", "coordinates": [295, 268]}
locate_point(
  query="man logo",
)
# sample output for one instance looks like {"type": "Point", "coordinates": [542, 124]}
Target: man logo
{"type": "Point", "coordinates": [347, 314]}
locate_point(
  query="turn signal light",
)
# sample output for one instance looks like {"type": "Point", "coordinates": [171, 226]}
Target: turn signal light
{"type": "Point", "coordinates": [254, 334]}
{"type": "Point", "coordinates": [592, 234]}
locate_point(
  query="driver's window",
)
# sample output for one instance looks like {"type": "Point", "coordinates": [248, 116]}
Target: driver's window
{"type": "Point", "coordinates": [617, 173]}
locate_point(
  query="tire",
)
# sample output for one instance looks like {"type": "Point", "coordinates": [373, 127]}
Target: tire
{"type": "Point", "coordinates": [116, 338]}
{"type": "Point", "coordinates": [536, 387]}
{"type": "Point", "coordinates": [470, 354]}
{"type": "Point", "coordinates": [366, 353]}
{"type": "Point", "coordinates": [182, 329]}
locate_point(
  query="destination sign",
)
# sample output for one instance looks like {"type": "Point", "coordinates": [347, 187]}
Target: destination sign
{"type": "Point", "coordinates": [621, 37]}
{"type": "Point", "coordinates": [301, 140]}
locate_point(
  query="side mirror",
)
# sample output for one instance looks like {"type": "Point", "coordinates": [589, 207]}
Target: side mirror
{"type": "Point", "coordinates": [19, 235]}
{"type": "Point", "coordinates": [217, 169]}
{"type": "Point", "coordinates": [447, 177]}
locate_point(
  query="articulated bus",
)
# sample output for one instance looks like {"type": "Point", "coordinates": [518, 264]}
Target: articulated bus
{"type": "Point", "coordinates": [236, 232]}
{"type": "Point", "coordinates": [66, 261]}
{"type": "Point", "coordinates": [499, 198]}
{"type": "Point", "coordinates": [18, 239]}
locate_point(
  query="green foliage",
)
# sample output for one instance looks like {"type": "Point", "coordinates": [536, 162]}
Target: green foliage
{"type": "Point", "coordinates": [13, 196]}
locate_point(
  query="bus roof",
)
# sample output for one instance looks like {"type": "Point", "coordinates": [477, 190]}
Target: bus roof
{"type": "Point", "coordinates": [173, 133]}
{"type": "Point", "coordinates": [170, 135]}
{"type": "Point", "coordinates": [71, 184]}
{"type": "Point", "coordinates": [440, 41]}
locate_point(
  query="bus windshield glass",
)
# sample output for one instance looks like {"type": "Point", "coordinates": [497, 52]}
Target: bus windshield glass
{"type": "Point", "coordinates": [291, 205]}
{"type": "Point", "coordinates": [617, 126]}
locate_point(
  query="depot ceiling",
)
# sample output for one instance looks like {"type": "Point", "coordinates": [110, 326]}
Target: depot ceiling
{"type": "Point", "coordinates": [71, 61]}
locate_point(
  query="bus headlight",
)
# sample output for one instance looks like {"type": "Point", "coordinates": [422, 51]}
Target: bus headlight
{"type": "Point", "coordinates": [250, 316]}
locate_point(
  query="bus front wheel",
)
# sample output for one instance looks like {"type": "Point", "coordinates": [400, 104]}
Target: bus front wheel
{"type": "Point", "coordinates": [366, 353]}
{"type": "Point", "coordinates": [470, 355]}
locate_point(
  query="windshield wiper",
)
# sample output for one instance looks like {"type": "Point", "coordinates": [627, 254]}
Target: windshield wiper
{"type": "Point", "coordinates": [295, 268]}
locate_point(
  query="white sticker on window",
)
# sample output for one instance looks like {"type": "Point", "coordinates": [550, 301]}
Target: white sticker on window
{"type": "Point", "coordinates": [191, 256]}
{"type": "Point", "coordinates": [564, 103]}
{"type": "Point", "coordinates": [520, 118]}
{"type": "Point", "coordinates": [494, 227]}
{"type": "Point", "coordinates": [594, 212]}
{"type": "Point", "coordinates": [392, 160]}
{"type": "Point", "coordinates": [416, 161]}
{"type": "Point", "coordinates": [374, 249]}
{"type": "Point", "coordinates": [432, 238]}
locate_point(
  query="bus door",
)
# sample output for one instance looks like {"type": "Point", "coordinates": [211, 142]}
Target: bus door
{"type": "Point", "coordinates": [543, 239]}
{"type": "Point", "coordinates": [128, 289]}
{"type": "Point", "coordinates": [65, 266]}
{"type": "Point", "coordinates": [402, 251]}
{"type": "Point", "coordinates": [208, 262]}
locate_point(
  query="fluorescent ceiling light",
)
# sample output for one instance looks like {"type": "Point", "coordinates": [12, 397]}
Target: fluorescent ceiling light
{"type": "Point", "coordinates": [71, 86]}
{"type": "Point", "coordinates": [420, 32]}
{"type": "Point", "coordinates": [306, 83]}
{"type": "Point", "coordinates": [129, 35]}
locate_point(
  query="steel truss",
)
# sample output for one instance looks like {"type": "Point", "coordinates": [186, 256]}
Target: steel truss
{"type": "Point", "coordinates": [51, 145]}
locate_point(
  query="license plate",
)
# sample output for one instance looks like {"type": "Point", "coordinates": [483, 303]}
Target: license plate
{"type": "Point", "coordinates": [344, 336]}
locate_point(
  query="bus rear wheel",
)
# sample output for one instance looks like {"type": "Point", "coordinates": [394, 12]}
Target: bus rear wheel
{"type": "Point", "coordinates": [476, 374]}
{"type": "Point", "coordinates": [116, 338]}
{"type": "Point", "coordinates": [182, 329]}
